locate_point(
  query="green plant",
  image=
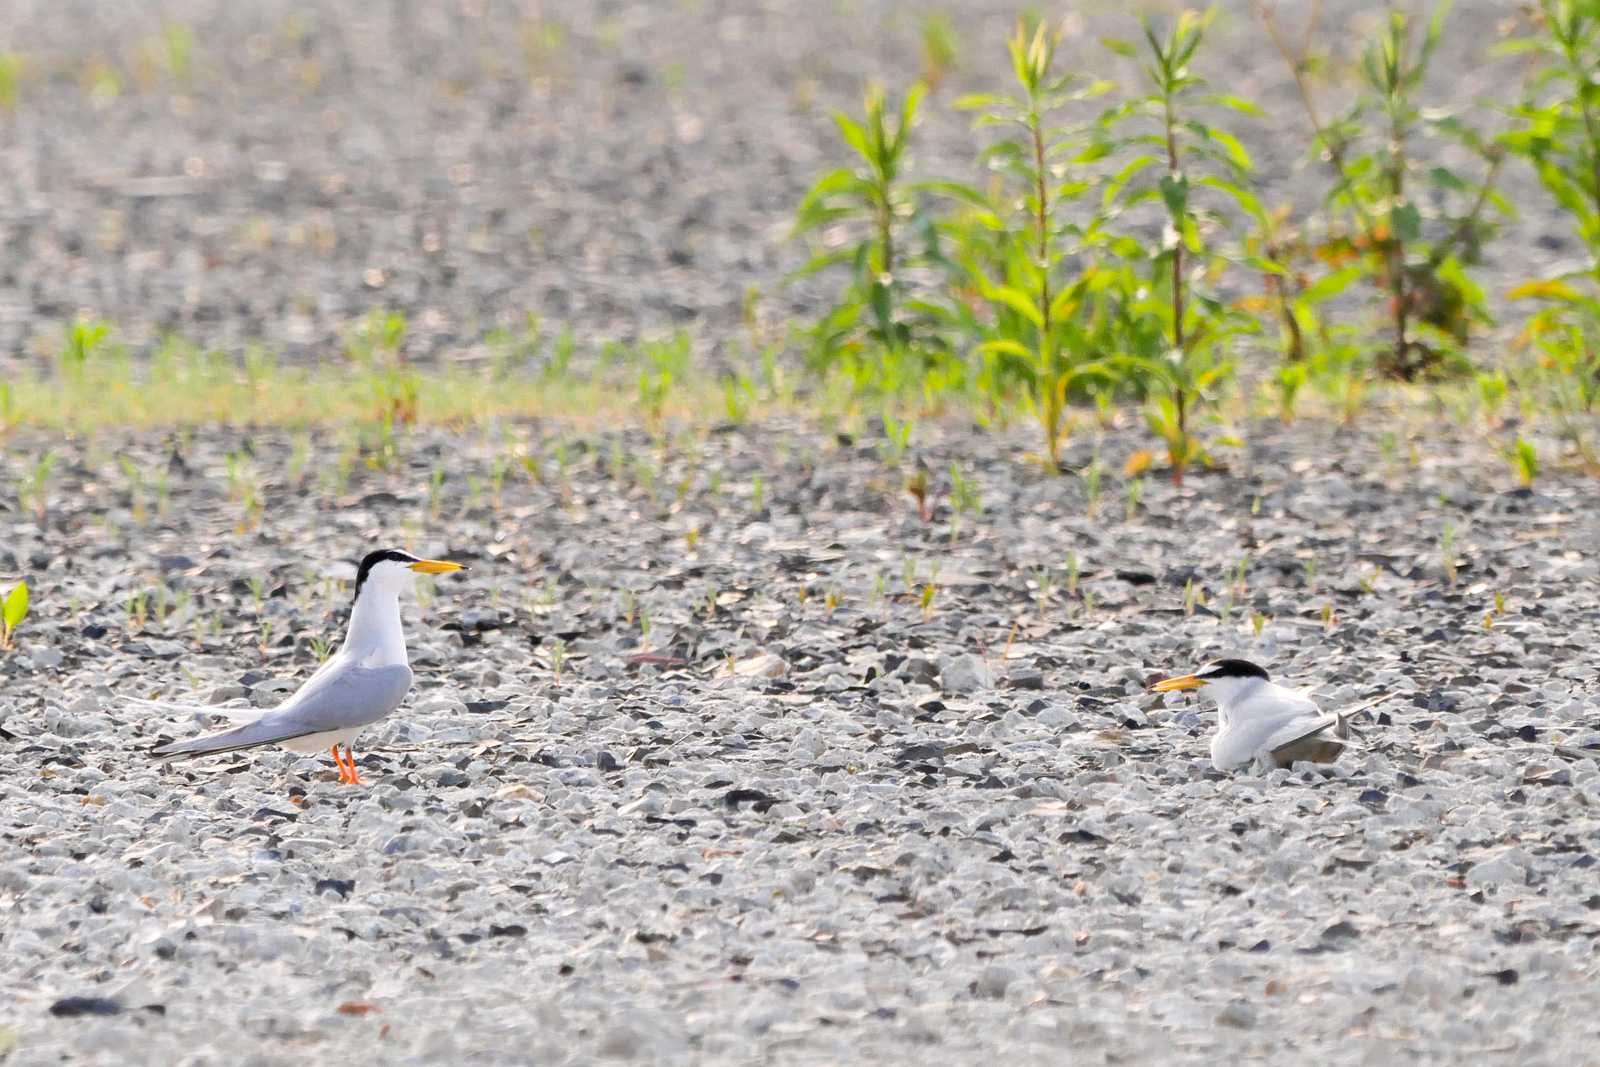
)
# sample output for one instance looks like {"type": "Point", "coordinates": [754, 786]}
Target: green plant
{"type": "Point", "coordinates": [11, 74]}
{"type": "Point", "coordinates": [138, 608]}
{"type": "Point", "coordinates": [85, 340]}
{"type": "Point", "coordinates": [1193, 161]}
{"type": "Point", "coordinates": [179, 52]}
{"type": "Point", "coordinates": [376, 347]}
{"type": "Point", "coordinates": [1134, 494]}
{"type": "Point", "coordinates": [663, 363]}
{"type": "Point", "coordinates": [964, 495]}
{"type": "Point", "coordinates": [1036, 335]}
{"type": "Point", "coordinates": [1417, 261]}
{"type": "Point", "coordinates": [876, 333]}
{"type": "Point", "coordinates": [1044, 585]}
{"type": "Point", "coordinates": [940, 48]}
{"type": "Point", "coordinates": [34, 491]}
{"type": "Point", "coordinates": [135, 476]}
{"type": "Point", "coordinates": [1493, 388]}
{"type": "Point", "coordinates": [1558, 133]}
{"type": "Point", "coordinates": [1524, 460]}
{"type": "Point", "coordinates": [13, 609]}
{"type": "Point", "coordinates": [558, 657]}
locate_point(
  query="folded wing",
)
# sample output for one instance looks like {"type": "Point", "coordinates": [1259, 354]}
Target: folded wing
{"type": "Point", "coordinates": [346, 698]}
{"type": "Point", "coordinates": [1319, 740]}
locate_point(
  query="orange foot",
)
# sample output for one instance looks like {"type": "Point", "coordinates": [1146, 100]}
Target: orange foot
{"type": "Point", "coordinates": [350, 761]}
{"type": "Point", "coordinates": [347, 767]}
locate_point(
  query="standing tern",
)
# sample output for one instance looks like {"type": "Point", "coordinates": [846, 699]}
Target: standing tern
{"type": "Point", "coordinates": [360, 684]}
{"type": "Point", "coordinates": [1261, 722]}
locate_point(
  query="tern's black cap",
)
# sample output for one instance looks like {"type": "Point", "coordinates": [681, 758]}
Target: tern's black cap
{"type": "Point", "coordinates": [1230, 668]}
{"type": "Point", "coordinates": [393, 555]}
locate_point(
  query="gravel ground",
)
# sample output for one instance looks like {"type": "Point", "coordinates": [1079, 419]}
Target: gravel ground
{"type": "Point", "coordinates": [756, 830]}
{"type": "Point", "coordinates": [771, 810]}
{"type": "Point", "coordinates": [620, 168]}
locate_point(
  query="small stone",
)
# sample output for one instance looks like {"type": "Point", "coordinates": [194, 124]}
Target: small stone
{"type": "Point", "coordinates": [993, 981]}
{"type": "Point", "coordinates": [1502, 869]}
{"type": "Point", "coordinates": [68, 1007]}
{"type": "Point", "coordinates": [966, 673]}
{"type": "Point", "coordinates": [481, 620]}
{"type": "Point", "coordinates": [1239, 1015]}
{"type": "Point", "coordinates": [649, 804]}
{"type": "Point", "coordinates": [45, 659]}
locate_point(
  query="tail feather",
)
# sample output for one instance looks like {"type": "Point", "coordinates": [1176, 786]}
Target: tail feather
{"type": "Point", "coordinates": [250, 735]}
{"type": "Point", "coordinates": [190, 709]}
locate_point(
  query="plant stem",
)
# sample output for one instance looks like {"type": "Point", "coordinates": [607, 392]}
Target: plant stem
{"type": "Point", "coordinates": [886, 231]}
{"type": "Point", "coordinates": [1396, 251]}
{"type": "Point", "coordinates": [1046, 335]}
{"type": "Point", "coordinates": [1335, 148]}
{"type": "Point", "coordinates": [1178, 393]}
{"type": "Point", "coordinates": [1591, 124]}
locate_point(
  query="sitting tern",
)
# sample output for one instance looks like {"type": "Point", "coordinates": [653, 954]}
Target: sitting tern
{"type": "Point", "coordinates": [360, 684]}
{"type": "Point", "coordinates": [1260, 722]}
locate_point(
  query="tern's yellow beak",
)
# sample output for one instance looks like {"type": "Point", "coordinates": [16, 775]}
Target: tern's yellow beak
{"type": "Point", "coordinates": [1175, 685]}
{"type": "Point", "coordinates": [436, 566]}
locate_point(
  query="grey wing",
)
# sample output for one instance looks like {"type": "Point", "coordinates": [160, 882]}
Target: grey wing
{"type": "Point", "coordinates": [346, 697]}
{"type": "Point", "coordinates": [341, 699]}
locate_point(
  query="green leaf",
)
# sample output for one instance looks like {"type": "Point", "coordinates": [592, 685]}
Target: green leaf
{"type": "Point", "coordinates": [1446, 178]}
{"type": "Point", "coordinates": [1175, 192]}
{"type": "Point", "coordinates": [1119, 46]}
{"type": "Point", "coordinates": [1236, 103]}
{"type": "Point", "coordinates": [955, 191]}
{"type": "Point", "coordinates": [1331, 285]}
{"type": "Point", "coordinates": [15, 607]}
{"type": "Point", "coordinates": [1453, 274]}
{"type": "Point", "coordinates": [1007, 347]}
{"type": "Point", "coordinates": [1407, 221]}
{"type": "Point", "coordinates": [1545, 290]}
{"type": "Point", "coordinates": [978, 101]}
{"type": "Point", "coordinates": [1016, 300]}
{"type": "Point", "coordinates": [854, 135]}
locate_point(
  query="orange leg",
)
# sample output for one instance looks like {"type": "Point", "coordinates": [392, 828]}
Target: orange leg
{"type": "Point", "coordinates": [350, 758]}
{"type": "Point", "coordinates": [344, 775]}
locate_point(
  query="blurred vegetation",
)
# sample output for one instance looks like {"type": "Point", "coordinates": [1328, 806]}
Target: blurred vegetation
{"type": "Point", "coordinates": [1107, 258]}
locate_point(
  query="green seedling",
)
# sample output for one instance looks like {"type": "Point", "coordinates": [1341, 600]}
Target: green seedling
{"type": "Point", "coordinates": [138, 611]}
{"type": "Point", "coordinates": [1132, 495]}
{"type": "Point", "coordinates": [34, 492]}
{"type": "Point", "coordinates": [558, 656]}
{"type": "Point", "coordinates": [13, 610]}
{"type": "Point", "coordinates": [940, 49]}
{"type": "Point", "coordinates": [1092, 475]}
{"type": "Point", "coordinates": [1524, 460]}
{"type": "Point", "coordinates": [1044, 585]}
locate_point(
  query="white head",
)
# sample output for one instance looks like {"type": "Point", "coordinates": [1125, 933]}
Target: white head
{"type": "Point", "coordinates": [390, 572]}
{"type": "Point", "coordinates": [1221, 680]}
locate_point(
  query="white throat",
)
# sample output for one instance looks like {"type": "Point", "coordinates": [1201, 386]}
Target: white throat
{"type": "Point", "coordinates": [374, 638]}
{"type": "Point", "coordinates": [1231, 693]}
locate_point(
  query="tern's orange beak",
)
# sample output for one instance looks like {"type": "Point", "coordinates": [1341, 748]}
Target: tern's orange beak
{"type": "Point", "coordinates": [436, 566]}
{"type": "Point", "coordinates": [1176, 685]}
